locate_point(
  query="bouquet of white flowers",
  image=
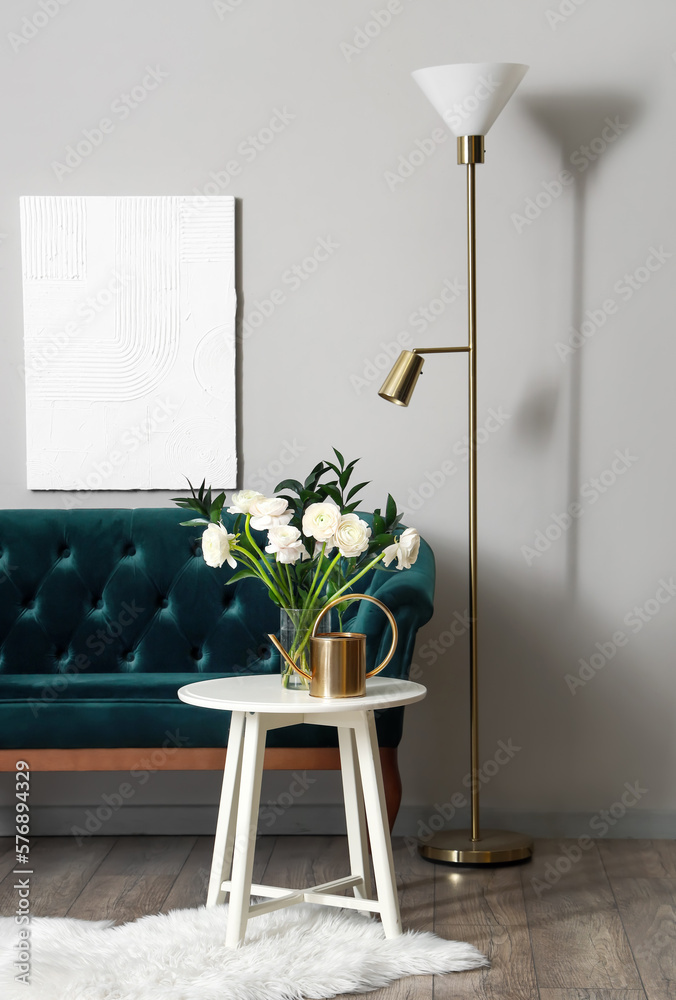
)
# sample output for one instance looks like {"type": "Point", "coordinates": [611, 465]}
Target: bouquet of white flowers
{"type": "Point", "coordinates": [317, 547]}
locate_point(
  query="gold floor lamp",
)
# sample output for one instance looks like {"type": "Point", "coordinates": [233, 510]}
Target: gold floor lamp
{"type": "Point", "coordinates": [469, 97]}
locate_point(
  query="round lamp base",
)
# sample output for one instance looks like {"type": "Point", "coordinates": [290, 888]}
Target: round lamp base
{"type": "Point", "coordinates": [496, 847]}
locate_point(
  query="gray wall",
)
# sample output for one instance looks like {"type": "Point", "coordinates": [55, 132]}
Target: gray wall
{"type": "Point", "coordinates": [553, 251]}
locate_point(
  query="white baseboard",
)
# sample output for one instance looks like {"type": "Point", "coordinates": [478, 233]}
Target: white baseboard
{"type": "Point", "coordinates": [97, 820]}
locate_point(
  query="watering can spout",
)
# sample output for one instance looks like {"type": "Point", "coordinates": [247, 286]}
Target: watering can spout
{"type": "Point", "coordinates": [275, 641]}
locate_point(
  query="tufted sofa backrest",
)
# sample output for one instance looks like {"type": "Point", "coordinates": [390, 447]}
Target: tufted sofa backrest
{"type": "Point", "coordinates": [112, 591]}
{"type": "Point", "coordinates": [127, 591]}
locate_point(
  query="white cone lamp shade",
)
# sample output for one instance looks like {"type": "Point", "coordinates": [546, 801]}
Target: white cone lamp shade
{"type": "Point", "coordinates": [470, 96]}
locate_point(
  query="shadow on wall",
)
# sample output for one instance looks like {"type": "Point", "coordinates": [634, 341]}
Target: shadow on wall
{"type": "Point", "coordinates": [587, 129]}
{"type": "Point", "coordinates": [581, 731]}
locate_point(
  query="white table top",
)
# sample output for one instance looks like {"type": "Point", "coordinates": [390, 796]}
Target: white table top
{"type": "Point", "coordinates": [264, 693]}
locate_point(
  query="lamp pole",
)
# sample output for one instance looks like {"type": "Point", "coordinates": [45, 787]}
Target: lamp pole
{"type": "Point", "coordinates": [461, 95]}
{"type": "Point", "coordinates": [472, 846]}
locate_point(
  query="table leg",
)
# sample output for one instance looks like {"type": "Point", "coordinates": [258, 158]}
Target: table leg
{"type": "Point", "coordinates": [227, 813]}
{"type": "Point", "coordinates": [354, 812]}
{"type": "Point", "coordinates": [376, 814]}
{"type": "Point", "coordinates": [247, 822]}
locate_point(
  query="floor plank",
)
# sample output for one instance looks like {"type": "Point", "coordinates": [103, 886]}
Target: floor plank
{"type": "Point", "coordinates": [121, 897]}
{"type": "Point", "coordinates": [590, 922]}
{"type": "Point", "coordinates": [579, 994]}
{"type": "Point", "coordinates": [576, 932]}
{"type": "Point", "coordinates": [639, 858]}
{"type": "Point", "coordinates": [415, 881]}
{"type": "Point", "coordinates": [490, 897]}
{"type": "Point", "coordinates": [148, 856]}
{"type": "Point", "coordinates": [510, 976]}
{"type": "Point", "coordinates": [61, 870]}
{"type": "Point", "coordinates": [190, 888]}
{"type": "Point", "coordinates": [648, 910]}
{"type": "Point", "coordinates": [486, 907]}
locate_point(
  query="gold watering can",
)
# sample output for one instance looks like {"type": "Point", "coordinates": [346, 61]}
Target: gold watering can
{"type": "Point", "coordinates": [338, 659]}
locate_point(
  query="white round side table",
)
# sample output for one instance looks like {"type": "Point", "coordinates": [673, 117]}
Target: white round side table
{"type": "Point", "coordinates": [259, 703]}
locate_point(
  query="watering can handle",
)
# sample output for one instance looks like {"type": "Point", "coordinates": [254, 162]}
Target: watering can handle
{"type": "Point", "coordinates": [374, 600]}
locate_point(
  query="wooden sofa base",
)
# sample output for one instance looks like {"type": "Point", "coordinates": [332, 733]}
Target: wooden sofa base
{"type": "Point", "coordinates": [198, 759]}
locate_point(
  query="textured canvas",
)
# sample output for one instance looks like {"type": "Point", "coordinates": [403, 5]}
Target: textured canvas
{"type": "Point", "coordinates": [129, 319]}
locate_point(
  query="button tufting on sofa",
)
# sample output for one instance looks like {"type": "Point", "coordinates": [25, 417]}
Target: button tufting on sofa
{"type": "Point", "coordinates": [65, 553]}
{"type": "Point", "coordinates": [119, 666]}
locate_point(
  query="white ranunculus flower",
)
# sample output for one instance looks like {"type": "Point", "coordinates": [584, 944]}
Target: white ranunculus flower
{"type": "Point", "coordinates": [352, 536]}
{"type": "Point", "coordinates": [286, 543]}
{"type": "Point", "coordinates": [404, 549]}
{"type": "Point", "coordinates": [320, 521]}
{"type": "Point", "coordinates": [269, 512]}
{"type": "Point", "coordinates": [216, 545]}
{"type": "Point", "coordinates": [240, 503]}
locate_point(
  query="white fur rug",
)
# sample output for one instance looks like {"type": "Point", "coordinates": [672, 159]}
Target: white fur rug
{"type": "Point", "coordinates": [302, 952]}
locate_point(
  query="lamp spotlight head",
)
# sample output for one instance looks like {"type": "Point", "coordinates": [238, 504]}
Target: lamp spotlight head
{"type": "Point", "coordinates": [399, 385]}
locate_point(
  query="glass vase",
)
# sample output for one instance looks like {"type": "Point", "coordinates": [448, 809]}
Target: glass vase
{"type": "Point", "coordinates": [295, 629]}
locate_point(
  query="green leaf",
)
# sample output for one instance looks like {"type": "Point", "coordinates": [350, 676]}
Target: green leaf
{"type": "Point", "coordinates": [289, 484]}
{"type": "Point", "coordinates": [242, 574]}
{"type": "Point", "coordinates": [196, 522]}
{"type": "Point", "coordinates": [391, 509]}
{"type": "Point", "coordinates": [351, 507]}
{"type": "Point", "coordinates": [313, 478]}
{"type": "Point", "coordinates": [217, 507]}
{"type": "Point", "coordinates": [385, 539]}
{"type": "Point", "coordinates": [379, 527]}
{"type": "Point", "coordinates": [332, 490]}
{"type": "Point", "coordinates": [355, 489]}
{"type": "Point", "coordinates": [339, 457]}
{"type": "Point", "coordinates": [344, 478]}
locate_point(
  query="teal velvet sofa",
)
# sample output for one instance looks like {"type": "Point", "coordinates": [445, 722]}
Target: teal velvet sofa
{"type": "Point", "coordinates": [104, 614]}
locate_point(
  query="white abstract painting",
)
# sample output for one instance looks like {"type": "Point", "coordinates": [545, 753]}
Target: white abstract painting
{"type": "Point", "coordinates": [129, 319]}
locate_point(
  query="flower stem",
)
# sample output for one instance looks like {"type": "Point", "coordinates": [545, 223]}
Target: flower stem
{"type": "Point", "coordinates": [276, 577]}
{"type": "Point", "coordinates": [350, 583]}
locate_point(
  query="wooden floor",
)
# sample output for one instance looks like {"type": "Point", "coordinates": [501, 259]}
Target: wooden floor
{"type": "Point", "coordinates": [598, 924]}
